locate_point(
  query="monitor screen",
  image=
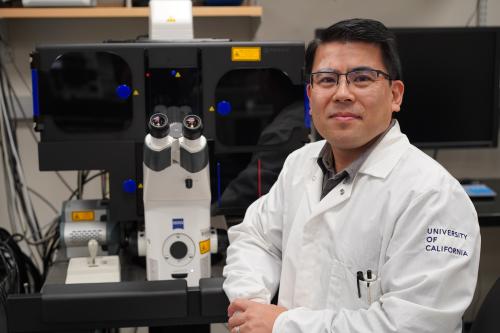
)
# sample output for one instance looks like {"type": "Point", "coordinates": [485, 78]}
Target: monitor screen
{"type": "Point", "coordinates": [451, 86]}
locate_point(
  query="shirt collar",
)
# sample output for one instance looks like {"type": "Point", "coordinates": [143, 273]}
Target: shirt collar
{"type": "Point", "coordinates": [326, 160]}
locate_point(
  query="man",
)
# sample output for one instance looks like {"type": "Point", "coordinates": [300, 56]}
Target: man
{"type": "Point", "coordinates": [362, 232]}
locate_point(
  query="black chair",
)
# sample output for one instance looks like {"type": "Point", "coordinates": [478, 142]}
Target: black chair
{"type": "Point", "coordinates": [487, 319]}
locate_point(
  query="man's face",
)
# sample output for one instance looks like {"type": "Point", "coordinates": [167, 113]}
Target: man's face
{"type": "Point", "coordinates": [350, 117]}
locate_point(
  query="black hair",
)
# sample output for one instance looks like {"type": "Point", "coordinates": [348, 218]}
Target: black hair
{"type": "Point", "coordinates": [360, 30]}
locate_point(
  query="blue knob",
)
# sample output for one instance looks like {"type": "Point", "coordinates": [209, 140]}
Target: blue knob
{"type": "Point", "coordinates": [123, 91]}
{"type": "Point", "coordinates": [224, 108]}
{"type": "Point", "coordinates": [129, 186]}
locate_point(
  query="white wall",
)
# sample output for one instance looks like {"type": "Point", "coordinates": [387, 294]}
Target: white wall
{"type": "Point", "coordinates": [282, 20]}
{"type": "Point", "coordinates": [297, 19]}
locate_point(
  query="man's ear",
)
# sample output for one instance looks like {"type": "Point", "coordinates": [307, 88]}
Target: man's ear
{"type": "Point", "coordinates": [398, 89]}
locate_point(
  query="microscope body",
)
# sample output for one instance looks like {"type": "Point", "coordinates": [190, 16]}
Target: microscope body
{"type": "Point", "coordinates": [177, 206]}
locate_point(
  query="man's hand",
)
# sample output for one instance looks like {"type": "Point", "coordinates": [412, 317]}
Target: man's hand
{"type": "Point", "coordinates": [251, 317]}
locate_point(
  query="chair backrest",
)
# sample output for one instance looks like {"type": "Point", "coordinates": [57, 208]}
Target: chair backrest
{"type": "Point", "coordinates": [487, 319]}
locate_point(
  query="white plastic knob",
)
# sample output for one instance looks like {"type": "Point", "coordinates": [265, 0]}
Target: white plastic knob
{"type": "Point", "coordinates": [93, 247]}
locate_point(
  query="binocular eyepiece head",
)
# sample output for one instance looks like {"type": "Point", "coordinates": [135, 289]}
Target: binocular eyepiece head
{"type": "Point", "coordinates": [158, 125]}
{"type": "Point", "coordinates": [192, 127]}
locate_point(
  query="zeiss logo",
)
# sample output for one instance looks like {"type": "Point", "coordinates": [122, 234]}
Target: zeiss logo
{"type": "Point", "coordinates": [177, 223]}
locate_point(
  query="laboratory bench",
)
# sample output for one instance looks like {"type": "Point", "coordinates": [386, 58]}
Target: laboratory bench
{"type": "Point", "coordinates": [134, 302]}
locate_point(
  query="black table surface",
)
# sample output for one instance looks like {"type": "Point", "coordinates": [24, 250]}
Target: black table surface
{"type": "Point", "coordinates": [133, 302]}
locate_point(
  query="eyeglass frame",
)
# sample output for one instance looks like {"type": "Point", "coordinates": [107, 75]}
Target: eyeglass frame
{"type": "Point", "coordinates": [359, 69]}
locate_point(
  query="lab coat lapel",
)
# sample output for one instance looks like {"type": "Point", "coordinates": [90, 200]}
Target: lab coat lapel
{"type": "Point", "coordinates": [379, 164]}
{"type": "Point", "coordinates": [313, 185]}
{"type": "Point", "coordinates": [338, 195]}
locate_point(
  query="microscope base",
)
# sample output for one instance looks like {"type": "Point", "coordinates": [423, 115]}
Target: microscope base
{"type": "Point", "coordinates": [106, 269]}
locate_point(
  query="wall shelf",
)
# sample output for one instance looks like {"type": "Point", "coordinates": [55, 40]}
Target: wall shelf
{"type": "Point", "coordinates": [124, 12]}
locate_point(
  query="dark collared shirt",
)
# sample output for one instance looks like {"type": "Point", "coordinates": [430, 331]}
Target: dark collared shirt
{"type": "Point", "coordinates": [326, 162]}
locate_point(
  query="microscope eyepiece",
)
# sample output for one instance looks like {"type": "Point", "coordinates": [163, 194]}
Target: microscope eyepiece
{"type": "Point", "coordinates": [158, 125]}
{"type": "Point", "coordinates": [192, 127]}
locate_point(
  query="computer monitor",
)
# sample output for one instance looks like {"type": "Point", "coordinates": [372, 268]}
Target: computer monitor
{"type": "Point", "coordinates": [451, 86]}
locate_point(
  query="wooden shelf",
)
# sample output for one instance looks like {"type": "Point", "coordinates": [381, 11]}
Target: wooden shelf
{"type": "Point", "coordinates": [124, 12]}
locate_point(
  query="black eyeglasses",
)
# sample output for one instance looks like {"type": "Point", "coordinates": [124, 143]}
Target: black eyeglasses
{"type": "Point", "coordinates": [360, 78]}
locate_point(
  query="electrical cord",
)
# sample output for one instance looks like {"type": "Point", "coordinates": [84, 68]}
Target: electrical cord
{"type": "Point", "coordinates": [20, 106]}
{"type": "Point", "coordinates": [104, 181]}
{"type": "Point", "coordinates": [51, 238]}
{"type": "Point", "coordinates": [20, 206]}
{"type": "Point", "coordinates": [28, 273]}
{"type": "Point", "coordinates": [85, 181]}
{"type": "Point", "coordinates": [11, 58]}
{"type": "Point", "coordinates": [43, 199]}
{"type": "Point", "coordinates": [8, 269]}
{"type": "Point", "coordinates": [21, 187]}
{"type": "Point", "coordinates": [52, 245]}
{"type": "Point", "coordinates": [474, 12]}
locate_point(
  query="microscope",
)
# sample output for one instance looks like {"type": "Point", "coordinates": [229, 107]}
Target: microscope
{"type": "Point", "coordinates": [176, 200]}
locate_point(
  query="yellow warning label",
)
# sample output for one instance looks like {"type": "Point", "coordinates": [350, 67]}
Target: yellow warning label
{"type": "Point", "coordinates": [136, 92]}
{"type": "Point", "coordinates": [205, 246]}
{"type": "Point", "coordinates": [140, 185]}
{"type": "Point", "coordinates": [245, 54]}
{"type": "Point", "coordinates": [78, 216]}
{"type": "Point", "coordinates": [211, 109]}
{"type": "Point", "coordinates": [171, 19]}
{"type": "Point", "coordinates": [178, 75]}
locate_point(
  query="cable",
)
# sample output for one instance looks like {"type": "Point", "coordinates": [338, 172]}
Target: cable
{"type": "Point", "coordinates": [51, 238]}
{"type": "Point", "coordinates": [27, 271]}
{"type": "Point", "coordinates": [11, 58]}
{"type": "Point", "coordinates": [75, 192]}
{"type": "Point", "coordinates": [469, 20]}
{"type": "Point", "coordinates": [9, 266]}
{"type": "Point", "coordinates": [37, 241]}
{"type": "Point", "coordinates": [79, 187]}
{"type": "Point", "coordinates": [8, 180]}
{"type": "Point", "coordinates": [58, 174]}
{"type": "Point", "coordinates": [20, 106]}
{"type": "Point", "coordinates": [52, 244]}
{"type": "Point", "coordinates": [104, 182]}
{"type": "Point", "coordinates": [20, 208]}
{"type": "Point", "coordinates": [41, 197]}
{"type": "Point", "coordinates": [15, 155]}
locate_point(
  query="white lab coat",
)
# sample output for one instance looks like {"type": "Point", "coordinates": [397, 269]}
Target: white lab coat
{"type": "Point", "coordinates": [403, 216]}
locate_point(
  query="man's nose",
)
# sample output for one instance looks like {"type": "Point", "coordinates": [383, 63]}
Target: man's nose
{"type": "Point", "coordinates": [343, 92]}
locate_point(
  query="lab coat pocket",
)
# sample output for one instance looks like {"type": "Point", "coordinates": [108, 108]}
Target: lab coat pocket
{"type": "Point", "coordinates": [343, 291]}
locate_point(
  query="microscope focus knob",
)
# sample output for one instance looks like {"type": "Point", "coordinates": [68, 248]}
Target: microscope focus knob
{"type": "Point", "coordinates": [178, 250]}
